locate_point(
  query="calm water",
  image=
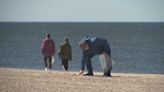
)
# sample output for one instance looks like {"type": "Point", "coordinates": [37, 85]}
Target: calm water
{"type": "Point", "coordinates": [136, 47]}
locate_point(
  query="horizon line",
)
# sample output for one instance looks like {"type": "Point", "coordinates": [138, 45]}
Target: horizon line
{"type": "Point", "coordinates": [81, 21]}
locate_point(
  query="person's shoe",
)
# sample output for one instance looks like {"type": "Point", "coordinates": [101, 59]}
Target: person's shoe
{"type": "Point", "coordinates": [107, 75]}
{"type": "Point", "coordinates": [89, 74]}
{"type": "Point", "coordinates": [46, 69]}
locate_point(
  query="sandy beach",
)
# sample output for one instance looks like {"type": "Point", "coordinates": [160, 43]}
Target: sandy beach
{"type": "Point", "coordinates": [28, 80]}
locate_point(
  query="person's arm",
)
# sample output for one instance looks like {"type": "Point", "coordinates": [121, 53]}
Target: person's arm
{"type": "Point", "coordinates": [54, 48]}
{"type": "Point", "coordinates": [82, 64]}
{"type": "Point", "coordinates": [70, 52]}
{"type": "Point", "coordinates": [59, 53]}
{"type": "Point", "coordinates": [43, 46]}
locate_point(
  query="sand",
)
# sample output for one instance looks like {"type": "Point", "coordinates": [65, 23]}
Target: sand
{"type": "Point", "coordinates": [28, 80]}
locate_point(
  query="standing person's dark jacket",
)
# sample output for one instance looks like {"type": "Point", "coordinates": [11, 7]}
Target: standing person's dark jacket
{"type": "Point", "coordinates": [65, 51]}
{"type": "Point", "coordinates": [48, 47]}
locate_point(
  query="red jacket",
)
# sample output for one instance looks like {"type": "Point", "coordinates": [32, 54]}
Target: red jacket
{"type": "Point", "coordinates": [48, 47]}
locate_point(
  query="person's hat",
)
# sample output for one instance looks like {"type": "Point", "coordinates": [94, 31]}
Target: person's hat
{"type": "Point", "coordinates": [47, 34]}
{"type": "Point", "coordinates": [84, 40]}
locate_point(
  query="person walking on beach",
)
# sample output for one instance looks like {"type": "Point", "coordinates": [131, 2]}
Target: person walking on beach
{"type": "Point", "coordinates": [65, 53]}
{"type": "Point", "coordinates": [48, 50]}
{"type": "Point", "coordinates": [95, 46]}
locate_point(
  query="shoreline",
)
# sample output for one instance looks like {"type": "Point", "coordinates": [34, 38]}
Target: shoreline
{"type": "Point", "coordinates": [30, 80]}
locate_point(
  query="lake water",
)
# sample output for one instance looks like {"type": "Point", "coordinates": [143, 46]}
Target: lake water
{"type": "Point", "coordinates": [136, 47]}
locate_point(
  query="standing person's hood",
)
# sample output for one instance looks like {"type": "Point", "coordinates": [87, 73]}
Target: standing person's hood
{"type": "Point", "coordinates": [47, 36]}
{"type": "Point", "coordinates": [66, 41]}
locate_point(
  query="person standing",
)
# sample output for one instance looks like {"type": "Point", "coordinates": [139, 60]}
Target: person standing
{"type": "Point", "coordinates": [48, 50]}
{"type": "Point", "coordinates": [95, 46]}
{"type": "Point", "coordinates": [65, 53]}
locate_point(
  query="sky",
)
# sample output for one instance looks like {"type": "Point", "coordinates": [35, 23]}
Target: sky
{"type": "Point", "coordinates": [82, 10]}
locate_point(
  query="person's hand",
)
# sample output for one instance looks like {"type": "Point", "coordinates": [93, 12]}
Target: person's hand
{"type": "Point", "coordinates": [81, 72]}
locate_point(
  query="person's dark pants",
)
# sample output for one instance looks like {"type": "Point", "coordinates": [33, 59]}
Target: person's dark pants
{"type": "Point", "coordinates": [89, 66]}
{"type": "Point", "coordinates": [48, 61]}
{"type": "Point", "coordinates": [65, 64]}
{"type": "Point", "coordinates": [108, 73]}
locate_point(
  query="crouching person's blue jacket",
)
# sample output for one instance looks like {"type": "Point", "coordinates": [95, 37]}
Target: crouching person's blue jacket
{"type": "Point", "coordinates": [97, 46]}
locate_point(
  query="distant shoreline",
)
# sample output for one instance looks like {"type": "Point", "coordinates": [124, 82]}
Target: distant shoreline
{"type": "Point", "coordinates": [137, 22]}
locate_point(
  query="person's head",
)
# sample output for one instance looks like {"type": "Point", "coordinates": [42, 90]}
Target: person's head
{"type": "Point", "coordinates": [84, 43]}
{"type": "Point", "coordinates": [66, 40]}
{"type": "Point", "coordinates": [47, 35]}
{"type": "Point", "coordinates": [84, 46]}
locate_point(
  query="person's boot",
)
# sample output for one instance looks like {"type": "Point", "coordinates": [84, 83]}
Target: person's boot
{"type": "Point", "coordinates": [89, 74]}
{"type": "Point", "coordinates": [107, 74]}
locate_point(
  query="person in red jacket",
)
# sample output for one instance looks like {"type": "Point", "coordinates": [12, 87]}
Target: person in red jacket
{"type": "Point", "coordinates": [48, 50]}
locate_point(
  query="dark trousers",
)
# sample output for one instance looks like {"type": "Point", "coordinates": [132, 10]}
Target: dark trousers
{"type": "Point", "coordinates": [108, 73]}
{"type": "Point", "coordinates": [65, 64]}
{"type": "Point", "coordinates": [89, 66]}
{"type": "Point", "coordinates": [89, 63]}
{"type": "Point", "coordinates": [48, 61]}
